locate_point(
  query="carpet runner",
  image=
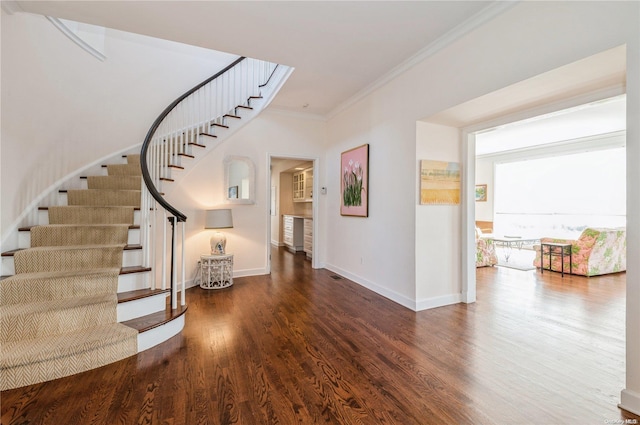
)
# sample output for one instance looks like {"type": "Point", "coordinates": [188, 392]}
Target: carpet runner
{"type": "Point", "coordinates": [59, 311]}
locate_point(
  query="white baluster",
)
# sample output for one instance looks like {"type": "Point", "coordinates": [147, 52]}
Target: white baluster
{"type": "Point", "coordinates": [154, 245]}
{"type": "Point", "coordinates": [174, 268]}
{"type": "Point", "coordinates": [183, 295]}
{"type": "Point", "coordinates": [164, 250]}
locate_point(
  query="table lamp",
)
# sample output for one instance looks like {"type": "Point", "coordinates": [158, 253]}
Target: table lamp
{"type": "Point", "coordinates": [218, 219]}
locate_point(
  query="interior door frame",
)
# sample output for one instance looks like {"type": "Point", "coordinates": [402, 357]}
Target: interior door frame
{"type": "Point", "coordinates": [314, 209]}
{"type": "Point", "coordinates": [468, 144]}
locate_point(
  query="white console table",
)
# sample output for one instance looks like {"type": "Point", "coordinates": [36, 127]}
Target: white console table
{"type": "Point", "coordinates": [216, 271]}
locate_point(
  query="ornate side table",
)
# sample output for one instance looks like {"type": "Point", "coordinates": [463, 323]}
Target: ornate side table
{"type": "Point", "coordinates": [216, 271]}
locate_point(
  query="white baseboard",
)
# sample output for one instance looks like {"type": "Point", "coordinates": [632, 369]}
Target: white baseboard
{"type": "Point", "coordinates": [250, 272]}
{"type": "Point", "coordinates": [630, 401]}
{"type": "Point", "coordinates": [387, 293]}
{"type": "Point", "coordinates": [441, 301]}
{"type": "Point", "coordinates": [468, 297]}
{"type": "Point", "coordinates": [159, 334]}
{"type": "Point", "coordinates": [236, 273]}
{"type": "Point", "coordinates": [415, 305]}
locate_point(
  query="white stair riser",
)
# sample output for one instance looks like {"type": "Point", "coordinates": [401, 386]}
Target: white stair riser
{"type": "Point", "coordinates": [159, 334]}
{"type": "Point", "coordinates": [43, 217]}
{"type": "Point", "coordinates": [133, 282]}
{"type": "Point", "coordinates": [132, 257]}
{"type": "Point", "coordinates": [141, 307]}
{"type": "Point", "coordinates": [24, 238]}
{"type": "Point", "coordinates": [8, 268]}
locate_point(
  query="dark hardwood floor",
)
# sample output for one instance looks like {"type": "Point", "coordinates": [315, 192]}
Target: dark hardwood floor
{"type": "Point", "coordinates": [299, 347]}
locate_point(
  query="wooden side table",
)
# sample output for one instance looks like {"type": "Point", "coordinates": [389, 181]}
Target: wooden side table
{"type": "Point", "coordinates": [555, 249]}
{"type": "Point", "coordinates": [216, 271]}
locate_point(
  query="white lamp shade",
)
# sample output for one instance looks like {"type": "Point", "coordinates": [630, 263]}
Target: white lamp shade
{"type": "Point", "coordinates": [218, 219]}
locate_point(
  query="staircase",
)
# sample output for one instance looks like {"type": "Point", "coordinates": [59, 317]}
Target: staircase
{"type": "Point", "coordinates": [92, 282]}
{"type": "Point", "coordinates": [62, 307]}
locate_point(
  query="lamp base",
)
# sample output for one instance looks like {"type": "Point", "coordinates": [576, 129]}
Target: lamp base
{"type": "Point", "coordinates": [218, 243]}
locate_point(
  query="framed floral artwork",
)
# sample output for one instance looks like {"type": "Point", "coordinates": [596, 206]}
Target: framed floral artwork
{"type": "Point", "coordinates": [354, 191]}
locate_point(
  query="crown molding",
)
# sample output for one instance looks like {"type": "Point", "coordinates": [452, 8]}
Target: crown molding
{"type": "Point", "coordinates": [488, 13]}
{"type": "Point", "coordinates": [278, 110]}
{"type": "Point", "coordinates": [10, 7]}
{"type": "Point", "coordinates": [74, 37]}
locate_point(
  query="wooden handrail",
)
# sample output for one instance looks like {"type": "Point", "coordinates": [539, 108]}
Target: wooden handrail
{"type": "Point", "coordinates": [147, 141]}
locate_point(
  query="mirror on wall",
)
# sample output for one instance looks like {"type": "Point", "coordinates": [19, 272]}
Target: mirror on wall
{"type": "Point", "coordinates": [239, 177]}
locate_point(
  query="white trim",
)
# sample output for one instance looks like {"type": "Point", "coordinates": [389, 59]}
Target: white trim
{"type": "Point", "coordinates": [279, 110]}
{"type": "Point", "coordinates": [630, 401]}
{"type": "Point", "coordinates": [468, 276]}
{"type": "Point", "coordinates": [250, 272]}
{"type": "Point", "coordinates": [387, 293]}
{"type": "Point", "coordinates": [314, 208]}
{"type": "Point", "coordinates": [160, 334]}
{"type": "Point", "coordinates": [192, 283]}
{"type": "Point", "coordinates": [547, 108]}
{"type": "Point", "coordinates": [435, 302]}
{"type": "Point", "coordinates": [494, 9]}
{"type": "Point", "coordinates": [10, 7]}
{"type": "Point", "coordinates": [141, 307]}
{"type": "Point", "coordinates": [74, 37]}
{"type": "Point", "coordinates": [616, 139]}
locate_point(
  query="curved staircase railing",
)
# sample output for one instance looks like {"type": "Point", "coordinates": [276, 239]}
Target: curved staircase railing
{"type": "Point", "coordinates": [187, 122]}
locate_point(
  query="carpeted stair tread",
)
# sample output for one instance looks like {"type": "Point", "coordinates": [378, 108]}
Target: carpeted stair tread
{"type": "Point", "coordinates": [81, 214]}
{"type": "Point", "coordinates": [123, 182]}
{"type": "Point", "coordinates": [133, 169]}
{"type": "Point", "coordinates": [34, 287]}
{"type": "Point", "coordinates": [104, 197]}
{"type": "Point", "coordinates": [85, 234]}
{"type": "Point", "coordinates": [59, 312]}
{"type": "Point", "coordinates": [46, 318]}
{"type": "Point", "coordinates": [81, 257]}
{"type": "Point", "coordinates": [32, 361]}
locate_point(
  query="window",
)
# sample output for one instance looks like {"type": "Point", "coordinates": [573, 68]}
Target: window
{"type": "Point", "coordinates": [561, 195]}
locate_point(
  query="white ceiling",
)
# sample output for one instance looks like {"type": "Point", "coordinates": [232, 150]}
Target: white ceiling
{"type": "Point", "coordinates": [338, 48]}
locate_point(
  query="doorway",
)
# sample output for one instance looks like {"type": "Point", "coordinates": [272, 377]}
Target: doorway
{"type": "Point", "coordinates": [292, 206]}
{"type": "Point", "coordinates": [526, 169]}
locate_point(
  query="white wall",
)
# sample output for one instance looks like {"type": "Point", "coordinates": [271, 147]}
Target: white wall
{"type": "Point", "coordinates": [63, 109]}
{"type": "Point", "coordinates": [484, 175]}
{"type": "Point", "coordinates": [271, 133]}
{"type": "Point", "coordinates": [437, 265]}
{"type": "Point", "coordinates": [529, 39]}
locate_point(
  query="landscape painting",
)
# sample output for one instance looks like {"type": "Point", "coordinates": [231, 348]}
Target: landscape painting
{"type": "Point", "coordinates": [439, 182]}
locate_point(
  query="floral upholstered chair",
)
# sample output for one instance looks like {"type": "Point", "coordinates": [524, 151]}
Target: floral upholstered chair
{"type": "Point", "coordinates": [595, 252]}
{"type": "Point", "coordinates": [485, 251]}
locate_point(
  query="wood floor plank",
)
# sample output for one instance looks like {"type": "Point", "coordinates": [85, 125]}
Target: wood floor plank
{"type": "Point", "coordinates": [300, 347]}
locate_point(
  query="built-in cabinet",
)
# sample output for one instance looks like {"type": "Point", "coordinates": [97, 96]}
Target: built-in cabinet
{"type": "Point", "coordinates": [293, 232]}
{"type": "Point", "coordinates": [308, 236]}
{"type": "Point", "coordinates": [303, 185]}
